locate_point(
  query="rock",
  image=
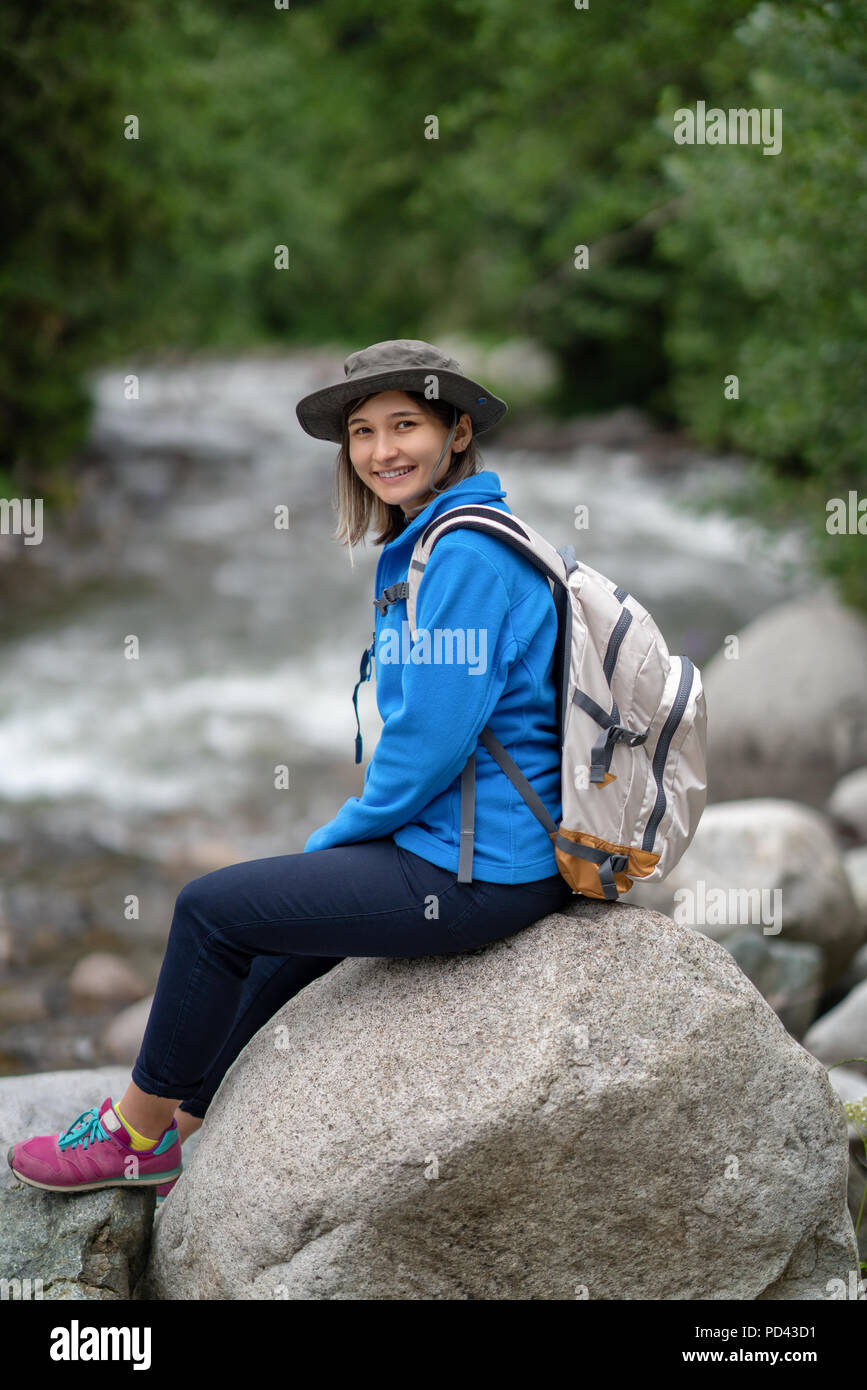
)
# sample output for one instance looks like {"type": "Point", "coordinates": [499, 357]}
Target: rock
{"type": "Point", "coordinates": [841, 1033]}
{"type": "Point", "coordinates": [104, 978]}
{"type": "Point", "coordinates": [847, 805]}
{"type": "Point", "coordinates": [855, 864]}
{"type": "Point", "coordinates": [21, 1004]}
{"type": "Point", "coordinates": [788, 717]}
{"type": "Point", "coordinates": [121, 1040]}
{"type": "Point", "coordinates": [601, 1105]}
{"type": "Point", "coordinates": [855, 972]}
{"type": "Point", "coordinates": [781, 853]}
{"type": "Point", "coordinates": [41, 917]}
{"type": "Point", "coordinates": [788, 974]}
{"type": "Point", "coordinates": [89, 1246]}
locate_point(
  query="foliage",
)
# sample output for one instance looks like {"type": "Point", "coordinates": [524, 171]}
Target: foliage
{"type": "Point", "coordinates": [856, 1114]}
{"type": "Point", "coordinates": [771, 285]}
{"type": "Point", "coordinates": [306, 128]}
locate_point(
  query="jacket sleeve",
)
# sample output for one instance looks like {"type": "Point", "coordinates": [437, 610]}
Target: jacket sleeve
{"type": "Point", "coordinates": [424, 745]}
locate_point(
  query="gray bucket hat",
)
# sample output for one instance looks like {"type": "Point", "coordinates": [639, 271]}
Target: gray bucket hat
{"type": "Point", "coordinates": [398, 364]}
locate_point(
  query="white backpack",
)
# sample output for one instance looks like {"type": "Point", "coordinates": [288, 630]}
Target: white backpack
{"type": "Point", "coordinates": [632, 721]}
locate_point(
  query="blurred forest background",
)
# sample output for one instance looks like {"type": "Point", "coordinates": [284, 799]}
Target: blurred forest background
{"type": "Point", "coordinates": [304, 126]}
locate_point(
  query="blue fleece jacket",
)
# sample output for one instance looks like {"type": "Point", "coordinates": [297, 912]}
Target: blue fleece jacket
{"type": "Point", "coordinates": [496, 670]}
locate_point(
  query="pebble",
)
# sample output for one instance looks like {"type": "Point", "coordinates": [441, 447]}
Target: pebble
{"type": "Point", "coordinates": [102, 977]}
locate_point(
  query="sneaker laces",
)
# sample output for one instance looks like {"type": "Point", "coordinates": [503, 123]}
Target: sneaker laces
{"type": "Point", "coordinates": [86, 1129]}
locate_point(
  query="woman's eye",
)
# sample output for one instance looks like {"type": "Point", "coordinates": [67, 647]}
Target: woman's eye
{"type": "Point", "coordinates": [362, 428]}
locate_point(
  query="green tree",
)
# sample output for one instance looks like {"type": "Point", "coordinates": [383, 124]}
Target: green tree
{"type": "Point", "coordinates": [68, 226]}
{"type": "Point", "coordinates": [307, 128]}
{"type": "Point", "coordinates": [772, 285]}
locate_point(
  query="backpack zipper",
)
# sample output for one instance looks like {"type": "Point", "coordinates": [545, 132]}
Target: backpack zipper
{"type": "Point", "coordinates": [675, 714]}
{"type": "Point", "coordinates": [614, 643]}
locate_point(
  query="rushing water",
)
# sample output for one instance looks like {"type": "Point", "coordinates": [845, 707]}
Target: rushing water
{"type": "Point", "coordinates": [250, 636]}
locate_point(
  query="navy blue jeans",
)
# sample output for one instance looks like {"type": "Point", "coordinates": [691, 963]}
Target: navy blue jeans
{"type": "Point", "coordinates": [246, 938]}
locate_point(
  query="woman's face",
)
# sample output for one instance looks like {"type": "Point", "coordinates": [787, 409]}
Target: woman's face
{"type": "Point", "coordinates": [392, 434]}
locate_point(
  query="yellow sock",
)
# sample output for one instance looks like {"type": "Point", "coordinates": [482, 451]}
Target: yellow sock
{"type": "Point", "coordinates": [137, 1141]}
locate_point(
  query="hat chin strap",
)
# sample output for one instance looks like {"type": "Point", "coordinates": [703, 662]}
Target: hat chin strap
{"type": "Point", "coordinates": [431, 484]}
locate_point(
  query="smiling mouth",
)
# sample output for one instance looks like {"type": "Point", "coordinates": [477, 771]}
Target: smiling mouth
{"type": "Point", "coordinates": [391, 473]}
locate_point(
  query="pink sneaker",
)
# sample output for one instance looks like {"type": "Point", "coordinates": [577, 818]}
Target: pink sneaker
{"type": "Point", "coordinates": [94, 1152]}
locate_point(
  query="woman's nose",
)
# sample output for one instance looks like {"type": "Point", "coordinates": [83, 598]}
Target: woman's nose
{"type": "Point", "coordinates": [383, 451]}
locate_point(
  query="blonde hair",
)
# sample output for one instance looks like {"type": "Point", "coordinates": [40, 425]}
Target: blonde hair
{"type": "Point", "coordinates": [358, 506]}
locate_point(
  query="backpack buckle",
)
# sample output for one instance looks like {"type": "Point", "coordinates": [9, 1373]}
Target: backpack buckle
{"type": "Point", "coordinates": [389, 596]}
{"type": "Point", "coordinates": [600, 758]}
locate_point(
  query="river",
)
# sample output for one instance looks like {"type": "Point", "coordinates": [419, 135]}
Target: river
{"type": "Point", "coordinates": [127, 777]}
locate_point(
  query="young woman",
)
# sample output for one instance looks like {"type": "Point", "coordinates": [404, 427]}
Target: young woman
{"type": "Point", "coordinates": [380, 878]}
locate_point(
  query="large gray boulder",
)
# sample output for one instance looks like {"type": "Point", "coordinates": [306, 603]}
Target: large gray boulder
{"type": "Point", "coordinates": [788, 716]}
{"type": "Point", "coordinates": [771, 866]}
{"type": "Point", "coordinates": [847, 805]}
{"type": "Point", "coordinates": [855, 864]}
{"type": "Point", "coordinates": [121, 1039]}
{"type": "Point", "coordinates": [841, 1033]}
{"type": "Point", "coordinates": [87, 1245]}
{"type": "Point", "coordinates": [600, 1106]}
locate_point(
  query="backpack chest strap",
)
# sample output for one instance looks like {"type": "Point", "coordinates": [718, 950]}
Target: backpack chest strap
{"type": "Point", "coordinates": [390, 596]}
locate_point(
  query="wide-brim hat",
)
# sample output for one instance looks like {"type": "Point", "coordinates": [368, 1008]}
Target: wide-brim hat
{"type": "Point", "coordinates": [407, 364]}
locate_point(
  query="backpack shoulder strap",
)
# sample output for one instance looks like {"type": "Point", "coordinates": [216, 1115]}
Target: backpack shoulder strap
{"type": "Point", "coordinates": [478, 517]}
{"type": "Point", "coordinates": [556, 566]}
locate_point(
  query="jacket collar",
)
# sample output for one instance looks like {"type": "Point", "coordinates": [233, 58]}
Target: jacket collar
{"type": "Point", "coordinates": [483, 486]}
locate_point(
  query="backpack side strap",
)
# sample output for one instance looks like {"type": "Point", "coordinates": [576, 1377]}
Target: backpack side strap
{"type": "Point", "coordinates": [468, 798]}
{"type": "Point", "coordinates": [468, 816]}
{"type": "Point", "coordinates": [614, 732]}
